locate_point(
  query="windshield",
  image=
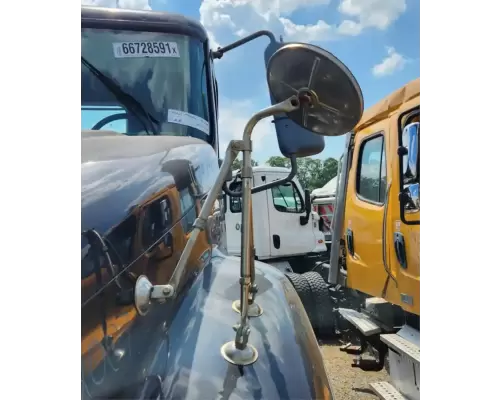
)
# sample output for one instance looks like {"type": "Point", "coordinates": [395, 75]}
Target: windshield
{"type": "Point", "coordinates": [141, 83]}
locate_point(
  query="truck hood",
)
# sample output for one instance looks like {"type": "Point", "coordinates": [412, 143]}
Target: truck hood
{"type": "Point", "coordinates": [120, 173]}
{"type": "Point", "coordinates": [185, 359]}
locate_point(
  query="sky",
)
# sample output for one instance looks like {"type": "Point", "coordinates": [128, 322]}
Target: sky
{"type": "Point", "coordinates": [378, 40]}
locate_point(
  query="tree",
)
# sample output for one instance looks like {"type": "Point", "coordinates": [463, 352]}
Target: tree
{"type": "Point", "coordinates": [329, 170]}
{"type": "Point", "coordinates": [238, 163]}
{"type": "Point", "coordinates": [278, 161]}
{"type": "Point", "coordinates": [312, 173]}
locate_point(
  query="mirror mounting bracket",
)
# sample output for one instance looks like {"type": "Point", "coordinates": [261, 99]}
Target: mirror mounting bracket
{"type": "Point", "coordinates": [217, 54]}
{"type": "Point", "coordinates": [237, 351]}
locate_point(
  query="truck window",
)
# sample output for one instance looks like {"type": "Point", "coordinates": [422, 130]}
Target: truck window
{"type": "Point", "coordinates": [287, 198]}
{"type": "Point", "coordinates": [371, 182]}
{"type": "Point", "coordinates": [172, 90]}
{"type": "Point", "coordinates": [188, 210]}
{"type": "Point", "coordinates": [109, 118]}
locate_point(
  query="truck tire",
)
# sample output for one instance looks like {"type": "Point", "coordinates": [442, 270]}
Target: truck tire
{"type": "Point", "coordinates": [299, 265]}
{"type": "Point", "coordinates": [303, 289]}
{"type": "Point", "coordinates": [324, 322]}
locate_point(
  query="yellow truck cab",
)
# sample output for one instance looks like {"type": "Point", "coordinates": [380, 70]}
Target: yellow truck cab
{"type": "Point", "coordinates": [376, 232]}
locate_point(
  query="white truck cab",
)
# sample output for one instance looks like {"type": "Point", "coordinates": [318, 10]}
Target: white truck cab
{"type": "Point", "coordinates": [279, 230]}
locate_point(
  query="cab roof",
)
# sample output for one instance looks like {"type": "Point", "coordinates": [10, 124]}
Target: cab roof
{"type": "Point", "coordinates": [141, 20]}
{"type": "Point", "coordinates": [389, 103]}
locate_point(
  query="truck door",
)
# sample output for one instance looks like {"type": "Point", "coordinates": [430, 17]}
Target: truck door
{"type": "Point", "coordinates": [364, 213]}
{"type": "Point", "coordinates": [405, 235]}
{"type": "Point", "coordinates": [286, 205]}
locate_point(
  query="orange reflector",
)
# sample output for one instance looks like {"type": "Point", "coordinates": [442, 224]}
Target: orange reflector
{"type": "Point", "coordinates": [320, 241]}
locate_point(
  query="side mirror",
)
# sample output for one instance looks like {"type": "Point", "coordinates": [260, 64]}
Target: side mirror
{"type": "Point", "coordinates": [411, 161]}
{"type": "Point", "coordinates": [304, 219]}
{"type": "Point", "coordinates": [410, 196]}
{"type": "Point", "coordinates": [293, 139]}
{"type": "Point", "coordinates": [331, 102]}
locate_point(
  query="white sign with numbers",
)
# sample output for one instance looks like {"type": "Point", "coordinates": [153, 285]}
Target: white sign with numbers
{"type": "Point", "coordinates": [187, 119]}
{"type": "Point", "coordinates": [145, 49]}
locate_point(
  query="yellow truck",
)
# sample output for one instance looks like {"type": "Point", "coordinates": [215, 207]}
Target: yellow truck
{"type": "Point", "coordinates": [376, 238]}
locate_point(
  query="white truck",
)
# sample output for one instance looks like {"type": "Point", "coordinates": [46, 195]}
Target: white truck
{"type": "Point", "coordinates": [286, 230]}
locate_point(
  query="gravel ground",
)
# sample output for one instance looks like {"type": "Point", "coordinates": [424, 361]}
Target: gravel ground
{"type": "Point", "coordinates": [348, 383]}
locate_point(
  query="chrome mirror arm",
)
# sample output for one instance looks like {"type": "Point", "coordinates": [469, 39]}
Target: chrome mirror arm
{"type": "Point", "coordinates": [239, 351]}
{"type": "Point", "coordinates": [147, 293]}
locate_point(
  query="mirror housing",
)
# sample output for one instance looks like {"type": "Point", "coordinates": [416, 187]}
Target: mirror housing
{"type": "Point", "coordinates": [411, 162]}
{"type": "Point", "coordinates": [330, 98]}
{"type": "Point", "coordinates": [304, 219]}
{"type": "Point", "coordinates": [293, 139]}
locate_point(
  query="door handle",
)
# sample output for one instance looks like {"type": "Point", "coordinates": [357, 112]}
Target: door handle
{"type": "Point", "coordinates": [399, 247]}
{"type": "Point", "coordinates": [276, 241]}
{"type": "Point", "coordinates": [350, 241]}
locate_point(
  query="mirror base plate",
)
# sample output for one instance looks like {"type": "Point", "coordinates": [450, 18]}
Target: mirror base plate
{"type": "Point", "coordinates": [254, 310]}
{"type": "Point", "coordinates": [233, 355]}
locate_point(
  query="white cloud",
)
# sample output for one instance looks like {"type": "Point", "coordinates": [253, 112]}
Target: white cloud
{"type": "Point", "coordinates": [373, 13]}
{"type": "Point", "coordinates": [233, 116]}
{"type": "Point", "coordinates": [349, 28]}
{"type": "Point", "coordinates": [392, 63]}
{"type": "Point", "coordinates": [238, 17]}
{"type": "Point", "coordinates": [308, 33]}
{"type": "Point", "coordinates": [128, 4]}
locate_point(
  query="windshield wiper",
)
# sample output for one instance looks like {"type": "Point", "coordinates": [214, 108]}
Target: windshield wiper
{"type": "Point", "coordinates": [130, 103]}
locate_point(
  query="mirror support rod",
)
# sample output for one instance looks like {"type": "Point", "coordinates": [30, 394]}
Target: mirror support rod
{"type": "Point", "coordinates": [199, 224]}
{"type": "Point", "coordinates": [217, 54]}
{"type": "Point", "coordinates": [239, 351]}
{"type": "Point", "coordinates": [269, 185]}
{"type": "Point", "coordinates": [145, 292]}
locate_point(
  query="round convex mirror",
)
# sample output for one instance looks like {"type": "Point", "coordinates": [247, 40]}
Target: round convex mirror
{"type": "Point", "coordinates": [335, 100]}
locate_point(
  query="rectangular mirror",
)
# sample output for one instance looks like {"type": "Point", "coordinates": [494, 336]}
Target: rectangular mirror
{"type": "Point", "coordinates": [410, 139]}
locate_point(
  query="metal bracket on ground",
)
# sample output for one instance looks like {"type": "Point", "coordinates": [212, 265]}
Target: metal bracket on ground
{"type": "Point", "coordinates": [385, 391]}
{"type": "Point", "coordinates": [362, 322]}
